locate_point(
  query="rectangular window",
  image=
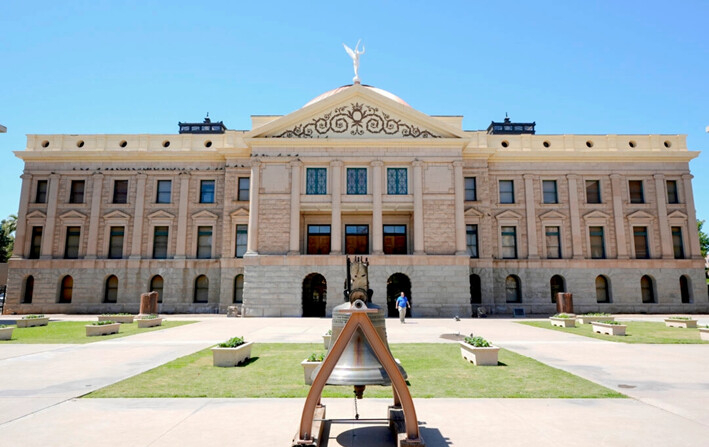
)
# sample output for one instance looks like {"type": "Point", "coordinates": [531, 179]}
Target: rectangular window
{"type": "Point", "coordinates": [677, 243]}
{"type": "Point", "coordinates": [206, 191]}
{"type": "Point", "coordinates": [357, 181]}
{"type": "Point", "coordinates": [204, 242]}
{"type": "Point", "coordinates": [41, 196]}
{"type": "Point", "coordinates": [318, 239]}
{"type": "Point", "coordinates": [509, 242]}
{"type": "Point", "coordinates": [507, 191]}
{"type": "Point", "coordinates": [397, 181]}
{"type": "Point", "coordinates": [244, 186]}
{"type": "Point", "coordinates": [115, 246]}
{"type": "Point", "coordinates": [242, 237]}
{"type": "Point", "coordinates": [471, 240]}
{"type": "Point", "coordinates": [640, 242]}
{"type": "Point", "coordinates": [71, 247]}
{"type": "Point", "coordinates": [471, 191]}
{"type": "Point", "coordinates": [36, 242]}
{"type": "Point", "coordinates": [553, 241]}
{"type": "Point", "coordinates": [549, 190]}
{"type": "Point", "coordinates": [356, 239]}
{"type": "Point", "coordinates": [672, 196]}
{"type": "Point", "coordinates": [164, 194]}
{"type": "Point", "coordinates": [598, 249]}
{"type": "Point", "coordinates": [120, 191]}
{"type": "Point", "coordinates": [316, 181]}
{"type": "Point", "coordinates": [636, 191]}
{"type": "Point", "coordinates": [77, 191]}
{"type": "Point", "coordinates": [395, 239]}
{"type": "Point", "coordinates": [160, 238]}
{"type": "Point", "coordinates": [593, 191]}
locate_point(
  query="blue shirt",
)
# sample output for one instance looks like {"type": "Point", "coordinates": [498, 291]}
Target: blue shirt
{"type": "Point", "coordinates": [402, 301]}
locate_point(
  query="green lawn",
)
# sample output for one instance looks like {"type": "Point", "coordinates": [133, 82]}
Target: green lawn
{"type": "Point", "coordinates": [74, 332]}
{"type": "Point", "coordinates": [434, 370]}
{"type": "Point", "coordinates": [636, 332]}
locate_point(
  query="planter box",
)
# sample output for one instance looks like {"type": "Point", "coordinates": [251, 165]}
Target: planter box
{"type": "Point", "coordinates": [563, 322]}
{"type": "Point", "coordinates": [308, 368]}
{"type": "Point", "coordinates": [149, 322]}
{"type": "Point", "coordinates": [127, 319]}
{"type": "Point", "coordinates": [704, 333]}
{"type": "Point", "coordinates": [587, 320]}
{"type": "Point", "coordinates": [671, 322]}
{"type": "Point", "coordinates": [479, 356]}
{"type": "Point", "coordinates": [226, 357]}
{"type": "Point", "coordinates": [608, 329]}
{"type": "Point", "coordinates": [326, 341]}
{"type": "Point", "coordinates": [32, 322]}
{"type": "Point", "coordinates": [6, 333]}
{"type": "Point", "coordinates": [106, 329]}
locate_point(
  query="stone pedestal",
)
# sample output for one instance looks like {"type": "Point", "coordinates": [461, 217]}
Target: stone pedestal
{"type": "Point", "coordinates": [149, 303]}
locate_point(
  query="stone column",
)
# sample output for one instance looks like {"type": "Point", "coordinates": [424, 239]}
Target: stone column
{"type": "Point", "coordinates": [48, 233]}
{"type": "Point", "coordinates": [181, 248]}
{"type": "Point", "coordinates": [95, 218]}
{"type": "Point", "coordinates": [19, 249]}
{"type": "Point", "coordinates": [295, 168]}
{"type": "Point", "coordinates": [228, 250]}
{"type": "Point", "coordinates": [532, 251]}
{"type": "Point", "coordinates": [377, 223]}
{"type": "Point", "coordinates": [618, 217]}
{"type": "Point", "coordinates": [252, 243]}
{"type": "Point", "coordinates": [576, 237]}
{"type": "Point", "coordinates": [419, 248]}
{"type": "Point", "coordinates": [135, 251]}
{"type": "Point", "coordinates": [667, 251]}
{"type": "Point", "coordinates": [336, 195]}
{"type": "Point", "coordinates": [694, 250]}
{"type": "Point", "coordinates": [460, 245]}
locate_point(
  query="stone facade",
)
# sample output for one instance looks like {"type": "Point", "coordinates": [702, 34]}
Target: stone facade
{"type": "Point", "coordinates": [356, 171]}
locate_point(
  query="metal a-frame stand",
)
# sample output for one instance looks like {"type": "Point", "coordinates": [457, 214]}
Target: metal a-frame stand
{"type": "Point", "coordinates": [310, 431]}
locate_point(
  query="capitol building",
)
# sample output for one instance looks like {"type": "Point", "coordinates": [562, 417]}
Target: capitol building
{"type": "Point", "coordinates": [502, 218]}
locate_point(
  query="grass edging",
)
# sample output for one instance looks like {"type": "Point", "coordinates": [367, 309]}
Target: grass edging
{"type": "Point", "coordinates": [646, 332]}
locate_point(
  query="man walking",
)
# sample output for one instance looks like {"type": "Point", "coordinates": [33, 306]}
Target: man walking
{"type": "Point", "coordinates": [402, 303]}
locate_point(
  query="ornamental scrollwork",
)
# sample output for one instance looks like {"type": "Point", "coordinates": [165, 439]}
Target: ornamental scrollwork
{"type": "Point", "coordinates": [355, 119]}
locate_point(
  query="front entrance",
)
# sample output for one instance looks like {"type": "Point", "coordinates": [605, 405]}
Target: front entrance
{"type": "Point", "coordinates": [397, 283]}
{"type": "Point", "coordinates": [314, 295]}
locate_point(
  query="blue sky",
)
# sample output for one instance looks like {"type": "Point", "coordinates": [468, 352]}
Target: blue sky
{"type": "Point", "coordinates": [142, 66]}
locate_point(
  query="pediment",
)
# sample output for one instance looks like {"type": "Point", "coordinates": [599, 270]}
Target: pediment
{"type": "Point", "coordinates": [116, 214]}
{"type": "Point", "coordinates": [553, 214]}
{"type": "Point", "coordinates": [241, 212]}
{"type": "Point", "coordinates": [596, 214]}
{"type": "Point", "coordinates": [72, 215]}
{"type": "Point", "coordinates": [472, 212]}
{"type": "Point", "coordinates": [356, 112]}
{"type": "Point", "coordinates": [508, 214]}
{"type": "Point", "coordinates": [36, 214]}
{"type": "Point", "coordinates": [160, 215]}
{"type": "Point", "coordinates": [677, 214]}
{"type": "Point", "coordinates": [204, 215]}
{"type": "Point", "coordinates": [640, 215]}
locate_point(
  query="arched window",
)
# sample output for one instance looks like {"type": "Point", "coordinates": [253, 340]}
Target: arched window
{"type": "Point", "coordinates": [29, 290]}
{"type": "Point", "coordinates": [647, 287]}
{"type": "Point", "coordinates": [513, 290]}
{"type": "Point", "coordinates": [201, 289]}
{"type": "Point", "coordinates": [239, 289]}
{"type": "Point", "coordinates": [603, 294]}
{"type": "Point", "coordinates": [475, 290]}
{"type": "Point", "coordinates": [556, 285]}
{"type": "Point", "coordinates": [156, 285]}
{"type": "Point", "coordinates": [66, 289]}
{"type": "Point", "coordinates": [110, 294]}
{"type": "Point", "coordinates": [685, 290]}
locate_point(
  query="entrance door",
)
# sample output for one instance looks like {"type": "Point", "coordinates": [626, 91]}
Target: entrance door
{"type": "Point", "coordinates": [314, 295]}
{"type": "Point", "coordinates": [397, 283]}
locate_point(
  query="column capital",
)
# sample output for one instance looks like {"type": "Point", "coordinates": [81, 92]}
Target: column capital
{"type": "Point", "coordinates": [528, 176]}
{"type": "Point", "coordinates": [458, 164]}
{"type": "Point", "coordinates": [141, 175]}
{"type": "Point", "coordinates": [659, 176]}
{"type": "Point", "coordinates": [687, 176]}
{"type": "Point", "coordinates": [26, 176]}
{"type": "Point", "coordinates": [336, 163]}
{"type": "Point", "coordinates": [572, 176]}
{"type": "Point", "coordinates": [184, 173]}
{"type": "Point", "coordinates": [97, 173]}
{"type": "Point", "coordinates": [417, 163]}
{"type": "Point", "coordinates": [376, 163]}
{"type": "Point", "coordinates": [255, 163]}
{"type": "Point", "coordinates": [295, 164]}
{"type": "Point", "coordinates": [615, 176]}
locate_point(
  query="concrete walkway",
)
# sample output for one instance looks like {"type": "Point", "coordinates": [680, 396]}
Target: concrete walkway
{"type": "Point", "coordinates": [39, 386]}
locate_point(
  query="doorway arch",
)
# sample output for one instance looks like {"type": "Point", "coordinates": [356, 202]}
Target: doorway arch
{"type": "Point", "coordinates": [314, 295]}
{"type": "Point", "coordinates": [397, 283]}
{"type": "Point", "coordinates": [556, 285]}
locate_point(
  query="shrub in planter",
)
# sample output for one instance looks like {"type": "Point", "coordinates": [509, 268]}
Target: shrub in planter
{"type": "Point", "coordinates": [594, 316]}
{"type": "Point", "coordinates": [326, 338]}
{"type": "Point", "coordinates": [145, 321]}
{"type": "Point", "coordinates": [563, 320]}
{"type": "Point", "coordinates": [6, 332]}
{"type": "Point", "coordinates": [104, 327]}
{"type": "Point", "coordinates": [704, 333]}
{"type": "Point", "coordinates": [479, 351]}
{"type": "Point", "coordinates": [32, 321]}
{"type": "Point", "coordinates": [231, 352]}
{"type": "Point", "coordinates": [682, 322]}
{"type": "Point", "coordinates": [608, 327]}
{"type": "Point", "coordinates": [310, 364]}
{"type": "Point", "coordinates": [117, 318]}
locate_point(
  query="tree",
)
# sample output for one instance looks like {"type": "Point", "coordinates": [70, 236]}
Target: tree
{"type": "Point", "coordinates": [703, 239]}
{"type": "Point", "coordinates": [7, 237]}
